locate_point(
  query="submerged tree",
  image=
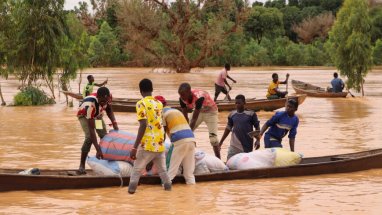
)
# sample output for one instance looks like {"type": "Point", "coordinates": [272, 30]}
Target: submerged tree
{"type": "Point", "coordinates": [4, 45]}
{"type": "Point", "coordinates": [181, 34]}
{"type": "Point", "coordinates": [73, 52]}
{"type": "Point", "coordinates": [349, 43]}
{"type": "Point", "coordinates": [38, 27]}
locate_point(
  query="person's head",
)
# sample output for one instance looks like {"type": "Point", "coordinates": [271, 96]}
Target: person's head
{"type": "Point", "coordinates": [161, 99]}
{"type": "Point", "coordinates": [291, 106]}
{"type": "Point", "coordinates": [227, 67]}
{"type": "Point", "coordinates": [240, 102]}
{"type": "Point", "coordinates": [90, 79]}
{"type": "Point", "coordinates": [145, 86]}
{"type": "Point", "coordinates": [185, 91]}
{"type": "Point", "coordinates": [335, 75]}
{"type": "Point", "coordinates": [275, 77]}
{"type": "Point", "coordinates": [103, 95]}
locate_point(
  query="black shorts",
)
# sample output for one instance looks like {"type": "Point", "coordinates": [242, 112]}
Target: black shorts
{"type": "Point", "coordinates": [220, 89]}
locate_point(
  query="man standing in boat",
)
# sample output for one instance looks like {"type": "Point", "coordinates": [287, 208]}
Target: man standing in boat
{"type": "Point", "coordinates": [221, 81]}
{"type": "Point", "coordinates": [203, 108]}
{"type": "Point", "coordinates": [279, 125]}
{"type": "Point", "coordinates": [273, 90]}
{"type": "Point", "coordinates": [88, 89]}
{"type": "Point", "coordinates": [90, 115]}
{"type": "Point", "coordinates": [337, 84]}
{"type": "Point", "coordinates": [241, 122]}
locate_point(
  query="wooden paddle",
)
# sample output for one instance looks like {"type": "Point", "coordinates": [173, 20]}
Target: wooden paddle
{"type": "Point", "coordinates": [350, 93]}
{"type": "Point", "coordinates": [226, 96]}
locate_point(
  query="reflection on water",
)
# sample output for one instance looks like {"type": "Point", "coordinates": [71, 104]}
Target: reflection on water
{"type": "Point", "coordinates": [51, 137]}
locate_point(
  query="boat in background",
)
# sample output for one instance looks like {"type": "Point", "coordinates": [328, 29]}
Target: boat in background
{"type": "Point", "coordinates": [315, 91]}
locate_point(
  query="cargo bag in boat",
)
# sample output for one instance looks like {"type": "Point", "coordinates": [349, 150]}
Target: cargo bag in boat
{"type": "Point", "coordinates": [116, 145]}
{"type": "Point", "coordinates": [252, 160]}
{"type": "Point", "coordinates": [284, 157]}
{"type": "Point", "coordinates": [110, 168]}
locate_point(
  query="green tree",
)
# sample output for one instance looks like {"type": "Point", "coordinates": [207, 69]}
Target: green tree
{"type": "Point", "coordinates": [73, 52]}
{"type": "Point", "coordinates": [295, 56]}
{"type": "Point", "coordinates": [264, 22]}
{"type": "Point", "coordinates": [315, 55]}
{"type": "Point", "coordinates": [377, 52]}
{"type": "Point", "coordinates": [309, 3]}
{"type": "Point", "coordinates": [331, 5]}
{"type": "Point", "coordinates": [311, 11]}
{"type": "Point", "coordinates": [104, 49]}
{"type": "Point", "coordinates": [280, 52]}
{"type": "Point", "coordinates": [376, 23]}
{"type": "Point", "coordinates": [291, 16]}
{"type": "Point", "coordinates": [4, 35]}
{"type": "Point", "coordinates": [349, 43]}
{"type": "Point", "coordinates": [275, 3]}
{"type": "Point", "coordinates": [38, 27]}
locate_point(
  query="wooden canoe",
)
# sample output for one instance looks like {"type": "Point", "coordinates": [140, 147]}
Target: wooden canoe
{"type": "Point", "coordinates": [10, 180]}
{"type": "Point", "coordinates": [128, 104]}
{"type": "Point", "coordinates": [252, 104]}
{"type": "Point", "coordinates": [315, 91]}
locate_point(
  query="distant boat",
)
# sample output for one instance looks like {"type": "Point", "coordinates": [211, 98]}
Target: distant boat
{"type": "Point", "coordinates": [315, 91]}
{"type": "Point", "coordinates": [10, 180]}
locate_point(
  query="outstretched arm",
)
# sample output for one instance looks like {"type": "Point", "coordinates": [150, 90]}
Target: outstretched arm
{"type": "Point", "coordinates": [234, 81]}
{"type": "Point", "coordinates": [286, 80]}
{"type": "Point", "coordinates": [101, 84]}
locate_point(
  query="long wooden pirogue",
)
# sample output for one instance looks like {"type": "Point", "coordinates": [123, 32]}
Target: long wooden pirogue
{"type": "Point", "coordinates": [10, 180]}
{"type": "Point", "coordinates": [315, 91]}
{"type": "Point", "coordinates": [252, 104]}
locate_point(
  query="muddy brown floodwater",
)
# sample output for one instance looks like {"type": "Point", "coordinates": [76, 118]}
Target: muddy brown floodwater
{"type": "Point", "coordinates": [51, 137]}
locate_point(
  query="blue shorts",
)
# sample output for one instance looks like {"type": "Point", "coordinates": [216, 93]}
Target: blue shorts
{"type": "Point", "coordinates": [271, 143]}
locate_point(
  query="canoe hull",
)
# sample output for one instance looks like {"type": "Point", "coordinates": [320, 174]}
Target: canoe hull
{"type": "Point", "coordinates": [315, 91]}
{"type": "Point", "coordinates": [59, 179]}
{"type": "Point", "coordinates": [256, 104]}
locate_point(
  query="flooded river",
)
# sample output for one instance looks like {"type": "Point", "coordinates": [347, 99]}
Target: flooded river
{"type": "Point", "coordinates": [51, 137]}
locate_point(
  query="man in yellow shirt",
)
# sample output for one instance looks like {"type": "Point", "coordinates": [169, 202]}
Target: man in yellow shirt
{"type": "Point", "coordinates": [273, 90]}
{"type": "Point", "coordinates": [149, 145]}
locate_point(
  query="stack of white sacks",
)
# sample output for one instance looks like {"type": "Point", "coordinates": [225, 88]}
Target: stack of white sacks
{"type": "Point", "coordinates": [264, 159]}
{"type": "Point", "coordinates": [204, 163]}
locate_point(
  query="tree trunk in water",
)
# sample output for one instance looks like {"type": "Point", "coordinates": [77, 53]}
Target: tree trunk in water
{"type": "Point", "coordinates": [79, 82]}
{"type": "Point", "coordinates": [183, 68]}
{"type": "Point", "coordinates": [50, 86]}
{"type": "Point", "coordinates": [363, 92]}
{"type": "Point", "coordinates": [64, 87]}
{"type": "Point", "coordinates": [2, 99]}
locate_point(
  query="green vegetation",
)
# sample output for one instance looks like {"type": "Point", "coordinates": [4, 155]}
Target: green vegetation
{"type": "Point", "coordinates": [32, 96]}
{"type": "Point", "coordinates": [40, 41]}
{"type": "Point", "coordinates": [349, 43]}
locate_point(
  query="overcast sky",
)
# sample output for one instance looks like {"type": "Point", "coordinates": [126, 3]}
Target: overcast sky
{"type": "Point", "coordinates": [69, 4]}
